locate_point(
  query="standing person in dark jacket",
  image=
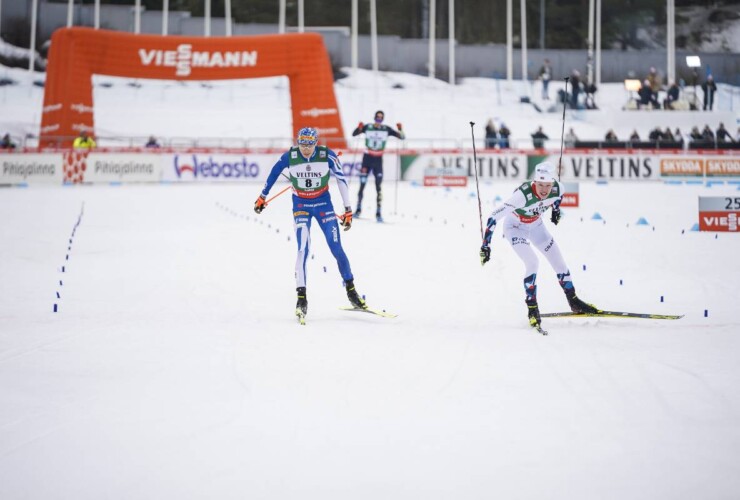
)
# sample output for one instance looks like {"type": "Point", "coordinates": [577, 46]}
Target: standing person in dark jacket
{"type": "Point", "coordinates": [376, 135]}
{"type": "Point", "coordinates": [491, 135]}
{"type": "Point", "coordinates": [504, 134]}
{"type": "Point", "coordinates": [709, 88]}
{"type": "Point", "coordinates": [723, 134]}
{"type": "Point", "coordinates": [575, 81]}
{"type": "Point", "coordinates": [539, 138]}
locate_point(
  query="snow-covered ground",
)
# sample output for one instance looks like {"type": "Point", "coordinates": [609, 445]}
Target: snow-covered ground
{"type": "Point", "coordinates": [175, 368]}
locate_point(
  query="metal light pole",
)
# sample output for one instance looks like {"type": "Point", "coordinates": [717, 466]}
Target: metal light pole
{"type": "Point", "coordinates": [671, 40]}
{"type": "Point", "coordinates": [137, 16]}
{"type": "Point", "coordinates": [34, 15]}
{"type": "Point", "coordinates": [301, 16]}
{"type": "Point", "coordinates": [281, 17]}
{"type": "Point", "coordinates": [523, 10]}
{"type": "Point", "coordinates": [598, 43]}
{"type": "Point", "coordinates": [374, 35]}
{"type": "Point", "coordinates": [353, 43]}
{"type": "Point", "coordinates": [509, 41]}
{"type": "Point", "coordinates": [590, 60]}
{"type": "Point", "coordinates": [206, 19]}
{"type": "Point", "coordinates": [227, 15]}
{"type": "Point", "coordinates": [165, 17]}
{"type": "Point", "coordinates": [70, 12]}
{"type": "Point", "coordinates": [451, 29]}
{"type": "Point", "coordinates": [432, 38]}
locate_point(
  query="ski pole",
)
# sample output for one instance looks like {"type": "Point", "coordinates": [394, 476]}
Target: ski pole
{"type": "Point", "coordinates": [562, 131]}
{"type": "Point", "coordinates": [281, 192]}
{"type": "Point", "coordinates": [477, 189]}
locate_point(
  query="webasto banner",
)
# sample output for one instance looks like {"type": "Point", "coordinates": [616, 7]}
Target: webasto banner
{"type": "Point", "coordinates": [216, 167]}
{"type": "Point", "coordinates": [31, 168]}
{"type": "Point", "coordinates": [247, 167]}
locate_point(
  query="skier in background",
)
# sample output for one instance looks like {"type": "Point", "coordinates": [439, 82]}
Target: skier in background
{"type": "Point", "coordinates": [309, 169]}
{"type": "Point", "coordinates": [376, 135]}
{"type": "Point", "coordinates": [522, 223]}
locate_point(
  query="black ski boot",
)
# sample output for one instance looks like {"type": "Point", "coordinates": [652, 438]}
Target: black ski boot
{"type": "Point", "coordinates": [356, 301]}
{"type": "Point", "coordinates": [578, 306]}
{"type": "Point", "coordinates": [301, 307]}
{"type": "Point", "coordinates": [533, 312]}
{"type": "Point", "coordinates": [378, 216]}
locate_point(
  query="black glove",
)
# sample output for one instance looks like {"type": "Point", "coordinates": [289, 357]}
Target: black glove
{"type": "Point", "coordinates": [485, 254]}
{"type": "Point", "coordinates": [260, 204]}
{"type": "Point", "coordinates": [555, 217]}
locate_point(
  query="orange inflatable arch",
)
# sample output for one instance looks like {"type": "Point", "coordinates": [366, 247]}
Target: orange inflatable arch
{"type": "Point", "coordinates": [78, 53]}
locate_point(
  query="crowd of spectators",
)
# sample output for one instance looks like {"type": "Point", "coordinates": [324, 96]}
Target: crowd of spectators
{"type": "Point", "coordinates": [664, 137]}
{"type": "Point", "coordinates": [498, 137]}
{"type": "Point", "coordinates": [649, 92]}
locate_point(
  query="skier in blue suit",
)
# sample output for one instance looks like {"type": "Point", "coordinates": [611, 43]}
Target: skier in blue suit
{"type": "Point", "coordinates": [309, 169]}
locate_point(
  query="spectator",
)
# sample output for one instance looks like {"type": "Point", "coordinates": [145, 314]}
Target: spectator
{"type": "Point", "coordinates": [656, 134]}
{"type": "Point", "coordinates": [647, 97]}
{"type": "Point", "coordinates": [539, 138]}
{"type": "Point", "coordinates": [611, 136]}
{"type": "Point", "coordinates": [723, 134]}
{"type": "Point", "coordinates": [570, 139]}
{"type": "Point", "coordinates": [696, 135]}
{"type": "Point", "coordinates": [635, 137]}
{"type": "Point", "coordinates": [672, 97]}
{"type": "Point", "coordinates": [709, 88]}
{"type": "Point", "coordinates": [84, 141]}
{"type": "Point", "coordinates": [677, 135]}
{"type": "Point", "coordinates": [737, 137]}
{"type": "Point", "coordinates": [7, 142]}
{"type": "Point", "coordinates": [545, 75]}
{"type": "Point", "coordinates": [575, 82]}
{"type": "Point", "coordinates": [668, 135]}
{"type": "Point", "coordinates": [654, 80]}
{"type": "Point", "coordinates": [504, 133]}
{"type": "Point", "coordinates": [491, 135]}
{"type": "Point", "coordinates": [152, 142]}
{"type": "Point", "coordinates": [707, 134]}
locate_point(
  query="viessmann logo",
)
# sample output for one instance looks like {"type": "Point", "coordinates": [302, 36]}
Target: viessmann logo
{"type": "Point", "coordinates": [184, 58]}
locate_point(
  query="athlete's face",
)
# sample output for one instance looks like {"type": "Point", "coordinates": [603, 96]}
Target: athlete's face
{"type": "Point", "coordinates": [379, 118]}
{"type": "Point", "coordinates": [543, 188]}
{"type": "Point", "coordinates": [307, 149]}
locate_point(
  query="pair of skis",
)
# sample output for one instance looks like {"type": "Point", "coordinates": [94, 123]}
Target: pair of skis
{"type": "Point", "coordinates": [377, 312]}
{"type": "Point", "coordinates": [603, 314]}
